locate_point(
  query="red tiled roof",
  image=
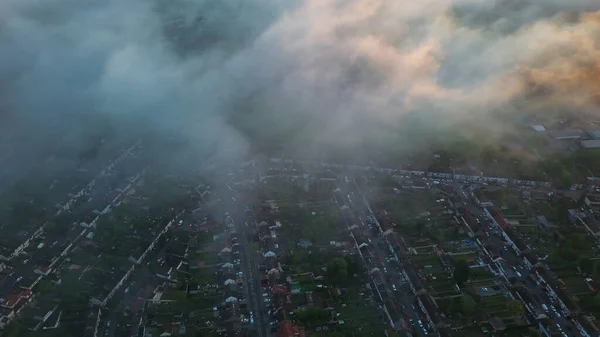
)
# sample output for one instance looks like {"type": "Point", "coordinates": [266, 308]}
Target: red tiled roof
{"type": "Point", "coordinates": [287, 329]}
{"type": "Point", "coordinates": [12, 300]}
{"type": "Point", "coordinates": [500, 220]}
{"type": "Point", "coordinates": [278, 289]}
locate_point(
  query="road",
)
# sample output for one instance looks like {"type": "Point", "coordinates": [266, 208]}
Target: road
{"type": "Point", "coordinates": [398, 299]}
{"type": "Point", "coordinates": [558, 321]}
{"type": "Point", "coordinates": [376, 255]}
{"type": "Point", "coordinates": [249, 265]}
{"type": "Point", "coordinates": [516, 270]}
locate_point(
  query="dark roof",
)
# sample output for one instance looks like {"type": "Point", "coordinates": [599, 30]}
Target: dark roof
{"type": "Point", "coordinates": [498, 217]}
{"type": "Point", "coordinates": [531, 257]}
{"type": "Point", "coordinates": [431, 308]}
{"type": "Point", "coordinates": [595, 198]}
{"type": "Point", "coordinates": [543, 221]}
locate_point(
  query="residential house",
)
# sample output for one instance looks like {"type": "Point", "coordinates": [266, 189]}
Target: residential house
{"type": "Point", "coordinates": [580, 219]}
{"type": "Point", "coordinates": [269, 250]}
{"type": "Point", "coordinates": [566, 134]}
{"type": "Point", "coordinates": [304, 243]}
{"type": "Point", "coordinates": [494, 215]}
{"type": "Point", "coordinates": [576, 216]}
{"type": "Point", "coordinates": [592, 201]}
{"type": "Point", "coordinates": [42, 270]}
{"type": "Point", "coordinates": [544, 223]}
{"type": "Point", "coordinates": [287, 329]}
{"type": "Point", "coordinates": [11, 301]}
{"type": "Point", "coordinates": [481, 199]}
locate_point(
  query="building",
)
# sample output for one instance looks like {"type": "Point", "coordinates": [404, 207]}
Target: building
{"type": "Point", "coordinates": [577, 217]}
{"type": "Point", "coordinates": [592, 227]}
{"type": "Point", "coordinates": [566, 134]}
{"type": "Point", "coordinates": [590, 144]}
{"type": "Point", "coordinates": [538, 128]}
{"type": "Point", "coordinates": [496, 218]}
{"type": "Point", "coordinates": [481, 199]}
{"type": "Point", "coordinates": [594, 134]}
{"type": "Point", "coordinates": [544, 223]}
{"type": "Point", "coordinates": [592, 201]}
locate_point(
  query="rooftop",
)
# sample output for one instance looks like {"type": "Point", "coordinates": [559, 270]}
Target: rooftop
{"type": "Point", "coordinates": [590, 144]}
{"type": "Point", "coordinates": [566, 133]}
{"type": "Point", "coordinates": [594, 134]}
{"type": "Point", "coordinates": [594, 198]}
{"type": "Point", "coordinates": [538, 128]}
{"type": "Point", "coordinates": [287, 329]}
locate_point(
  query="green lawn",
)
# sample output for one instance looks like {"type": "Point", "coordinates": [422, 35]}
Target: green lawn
{"type": "Point", "coordinates": [426, 260]}
{"type": "Point", "coordinates": [465, 257]}
{"type": "Point", "coordinates": [494, 300]}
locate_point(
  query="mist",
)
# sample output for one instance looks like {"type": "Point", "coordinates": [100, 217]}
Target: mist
{"type": "Point", "coordinates": [308, 78]}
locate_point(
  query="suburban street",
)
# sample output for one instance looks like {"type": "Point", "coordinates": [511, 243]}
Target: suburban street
{"type": "Point", "coordinates": [517, 270]}
{"type": "Point", "coordinates": [398, 297]}
{"type": "Point", "coordinates": [249, 266]}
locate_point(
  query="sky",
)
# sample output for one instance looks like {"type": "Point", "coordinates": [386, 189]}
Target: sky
{"type": "Point", "coordinates": [357, 76]}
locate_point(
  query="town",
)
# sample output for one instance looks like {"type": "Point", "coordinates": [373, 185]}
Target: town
{"type": "Point", "coordinates": [284, 247]}
{"type": "Point", "coordinates": [307, 168]}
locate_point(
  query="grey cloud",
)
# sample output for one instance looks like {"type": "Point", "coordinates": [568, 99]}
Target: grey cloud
{"type": "Point", "coordinates": [315, 75]}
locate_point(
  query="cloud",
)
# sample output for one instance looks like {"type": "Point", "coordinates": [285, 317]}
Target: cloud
{"type": "Point", "coordinates": [315, 75]}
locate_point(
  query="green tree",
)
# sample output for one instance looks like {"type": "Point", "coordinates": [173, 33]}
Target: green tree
{"type": "Point", "coordinates": [354, 265]}
{"type": "Point", "coordinates": [253, 247]}
{"type": "Point", "coordinates": [596, 300]}
{"type": "Point", "coordinates": [335, 334]}
{"type": "Point", "coordinates": [515, 308]}
{"type": "Point", "coordinates": [313, 315]}
{"type": "Point", "coordinates": [533, 332]}
{"type": "Point", "coordinates": [586, 265]}
{"type": "Point", "coordinates": [45, 286]}
{"type": "Point", "coordinates": [49, 226]}
{"type": "Point", "coordinates": [461, 272]}
{"type": "Point", "coordinates": [468, 304]}
{"type": "Point", "coordinates": [337, 270]}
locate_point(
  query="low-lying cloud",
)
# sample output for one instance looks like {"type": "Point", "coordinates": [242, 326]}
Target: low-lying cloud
{"type": "Point", "coordinates": [313, 75]}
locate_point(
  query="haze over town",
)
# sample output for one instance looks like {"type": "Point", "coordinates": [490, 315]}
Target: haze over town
{"type": "Point", "coordinates": [352, 75]}
{"type": "Point", "coordinates": [292, 168]}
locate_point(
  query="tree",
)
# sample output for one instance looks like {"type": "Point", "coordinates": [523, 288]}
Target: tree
{"type": "Point", "coordinates": [335, 334]}
{"type": "Point", "coordinates": [468, 304]}
{"type": "Point", "coordinates": [313, 315]}
{"type": "Point", "coordinates": [596, 300]}
{"type": "Point", "coordinates": [337, 270]}
{"type": "Point", "coordinates": [45, 286]}
{"type": "Point", "coordinates": [354, 265]}
{"type": "Point", "coordinates": [461, 272]}
{"type": "Point", "coordinates": [515, 308]}
{"type": "Point", "coordinates": [14, 330]}
{"type": "Point", "coordinates": [586, 265]}
{"type": "Point", "coordinates": [49, 226]}
{"type": "Point", "coordinates": [533, 332]}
